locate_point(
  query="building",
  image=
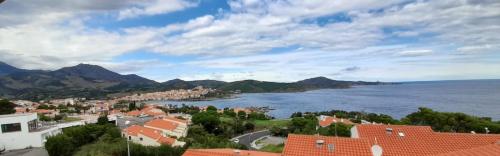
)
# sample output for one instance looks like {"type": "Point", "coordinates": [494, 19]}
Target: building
{"type": "Point", "coordinates": [422, 140]}
{"type": "Point", "coordinates": [226, 152]}
{"type": "Point", "coordinates": [19, 131]}
{"type": "Point", "coordinates": [308, 145]}
{"type": "Point", "coordinates": [168, 128]}
{"type": "Point", "coordinates": [325, 121]}
{"type": "Point", "coordinates": [148, 110]}
{"type": "Point", "coordinates": [149, 137]}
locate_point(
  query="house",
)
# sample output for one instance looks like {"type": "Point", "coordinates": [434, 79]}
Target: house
{"type": "Point", "coordinates": [149, 137]}
{"type": "Point", "coordinates": [308, 145]}
{"type": "Point", "coordinates": [148, 111]}
{"type": "Point", "coordinates": [167, 127]}
{"type": "Point", "coordinates": [226, 152]}
{"type": "Point", "coordinates": [177, 120]}
{"type": "Point", "coordinates": [46, 112]}
{"type": "Point", "coordinates": [325, 121]}
{"type": "Point", "coordinates": [19, 131]}
{"type": "Point", "coordinates": [422, 140]}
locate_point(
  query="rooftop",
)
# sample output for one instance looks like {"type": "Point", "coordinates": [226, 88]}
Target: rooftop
{"type": "Point", "coordinates": [421, 140]}
{"type": "Point", "coordinates": [135, 130]}
{"type": "Point", "coordinates": [309, 145]}
{"type": "Point", "coordinates": [226, 152]}
{"type": "Point", "coordinates": [15, 115]}
{"type": "Point", "coordinates": [162, 124]}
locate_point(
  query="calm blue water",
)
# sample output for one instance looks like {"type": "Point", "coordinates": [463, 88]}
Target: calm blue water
{"type": "Point", "coordinates": [475, 97]}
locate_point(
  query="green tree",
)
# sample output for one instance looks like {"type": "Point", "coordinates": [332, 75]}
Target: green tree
{"type": "Point", "coordinates": [59, 145]}
{"type": "Point", "coordinates": [249, 126]}
{"type": "Point", "coordinates": [242, 115]}
{"type": "Point", "coordinates": [7, 107]}
{"type": "Point", "coordinates": [102, 120]}
{"type": "Point", "coordinates": [208, 120]}
{"type": "Point", "coordinates": [212, 108]}
{"type": "Point", "coordinates": [132, 106]}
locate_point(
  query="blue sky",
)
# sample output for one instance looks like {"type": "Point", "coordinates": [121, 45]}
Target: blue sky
{"type": "Point", "coordinates": [270, 40]}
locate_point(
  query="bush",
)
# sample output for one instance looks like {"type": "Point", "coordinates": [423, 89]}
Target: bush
{"type": "Point", "coordinates": [208, 120]}
{"type": "Point", "coordinates": [7, 107]}
{"type": "Point", "coordinates": [60, 145]}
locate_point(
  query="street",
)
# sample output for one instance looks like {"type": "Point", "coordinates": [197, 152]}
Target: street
{"type": "Point", "coordinates": [247, 139]}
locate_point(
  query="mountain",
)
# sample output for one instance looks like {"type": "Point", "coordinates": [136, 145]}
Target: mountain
{"type": "Point", "coordinates": [323, 82]}
{"type": "Point", "coordinates": [8, 69]}
{"type": "Point", "coordinates": [82, 80]}
{"type": "Point", "coordinates": [92, 81]}
{"type": "Point", "coordinates": [177, 84]}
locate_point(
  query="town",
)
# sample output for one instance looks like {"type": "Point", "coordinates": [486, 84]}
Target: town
{"type": "Point", "coordinates": [206, 131]}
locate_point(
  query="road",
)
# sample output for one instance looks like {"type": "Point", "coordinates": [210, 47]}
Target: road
{"type": "Point", "coordinates": [247, 139]}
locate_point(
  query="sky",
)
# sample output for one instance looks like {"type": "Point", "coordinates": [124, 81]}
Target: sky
{"type": "Point", "coordinates": [267, 40]}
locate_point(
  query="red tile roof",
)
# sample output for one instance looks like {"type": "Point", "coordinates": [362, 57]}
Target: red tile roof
{"type": "Point", "coordinates": [134, 113]}
{"type": "Point", "coordinates": [175, 119]}
{"type": "Point", "coordinates": [226, 152]}
{"type": "Point", "coordinates": [305, 145]}
{"type": "Point", "coordinates": [135, 130]}
{"type": "Point", "coordinates": [162, 124]}
{"type": "Point", "coordinates": [421, 140]}
{"type": "Point", "coordinates": [328, 120]}
{"type": "Point", "coordinates": [488, 150]}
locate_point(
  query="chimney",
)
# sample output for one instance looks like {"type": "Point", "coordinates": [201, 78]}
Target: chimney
{"type": "Point", "coordinates": [236, 152]}
{"type": "Point", "coordinates": [376, 150]}
{"type": "Point", "coordinates": [388, 130]}
{"type": "Point", "coordinates": [331, 148]}
{"type": "Point", "coordinates": [319, 143]}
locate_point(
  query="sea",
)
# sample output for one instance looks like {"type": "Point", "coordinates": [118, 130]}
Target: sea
{"type": "Point", "coordinates": [474, 97]}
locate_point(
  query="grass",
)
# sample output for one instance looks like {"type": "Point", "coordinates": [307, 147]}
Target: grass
{"type": "Point", "coordinates": [70, 119]}
{"type": "Point", "coordinates": [267, 124]}
{"type": "Point", "coordinates": [273, 148]}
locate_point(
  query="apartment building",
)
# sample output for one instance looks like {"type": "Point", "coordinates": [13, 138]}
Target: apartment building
{"type": "Point", "coordinates": [168, 127]}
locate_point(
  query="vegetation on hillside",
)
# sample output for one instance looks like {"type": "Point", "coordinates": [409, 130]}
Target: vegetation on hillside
{"type": "Point", "coordinates": [6, 107]}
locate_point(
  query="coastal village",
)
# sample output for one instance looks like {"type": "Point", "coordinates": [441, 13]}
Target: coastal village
{"type": "Point", "coordinates": [151, 125]}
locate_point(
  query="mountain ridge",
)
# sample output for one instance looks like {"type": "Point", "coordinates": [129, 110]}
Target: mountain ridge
{"type": "Point", "coordinates": [86, 80]}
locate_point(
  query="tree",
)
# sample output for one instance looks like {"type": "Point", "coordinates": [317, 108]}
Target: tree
{"type": "Point", "coordinates": [59, 145]}
{"type": "Point", "coordinates": [102, 120]}
{"type": "Point", "coordinates": [242, 115]}
{"type": "Point", "coordinates": [7, 107]}
{"type": "Point", "coordinates": [249, 126]}
{"type": "Point", "coordinates": [132, 106]}
{"type": "Point", "coordinates": [208, 120]}
{"type": "Point", "coordinates": [212, 108]}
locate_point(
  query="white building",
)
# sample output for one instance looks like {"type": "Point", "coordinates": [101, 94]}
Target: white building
{"type": "Point", "coordinates": [18, 131]}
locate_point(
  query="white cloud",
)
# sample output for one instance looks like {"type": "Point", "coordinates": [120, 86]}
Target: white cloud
{"type": "Point", "coordinates": [52, 34]}
{"type": "Point", "coordinates": [415, 53]}
{"type": "Point", "coordinates": [155, 7]}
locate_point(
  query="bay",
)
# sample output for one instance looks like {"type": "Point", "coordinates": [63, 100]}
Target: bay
{"type": "Point", "coordinates": [474, 97]}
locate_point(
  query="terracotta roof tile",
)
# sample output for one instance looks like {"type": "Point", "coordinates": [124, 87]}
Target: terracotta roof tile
{"type": "Point", "coordinates": [328, 120]}
{"type": "Point", "coordinates": [134, 113]}
{"type": "Point", "coordinates": [305, 145]}
{"type": "Point", "coordinates": [421, 140]}
{"type": "Point", "coordinates": [488, 150]}
{"type": "Point", "coordinates": [175, 119]}
{"type": "Point", "coordinates": [162, 124]}
{"type": "Point", "coordinates": [225, 152]}
{"type": "Point", "coordinates": [135, 130]}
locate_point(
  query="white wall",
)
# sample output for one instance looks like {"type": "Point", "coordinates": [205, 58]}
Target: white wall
{"type": "Point", "coordinates": [24, 138]}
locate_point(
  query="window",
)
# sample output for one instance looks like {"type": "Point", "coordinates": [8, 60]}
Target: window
{"type": "Point", "coordinates": [129, 138]}
{"type": "Point", "coordinates": [12, 127]}
{"type": "Point", "coordinates": [140, 138]}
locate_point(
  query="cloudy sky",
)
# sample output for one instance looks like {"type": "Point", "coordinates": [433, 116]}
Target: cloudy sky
{"type": "Point", "coordinates": [272, 40]}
